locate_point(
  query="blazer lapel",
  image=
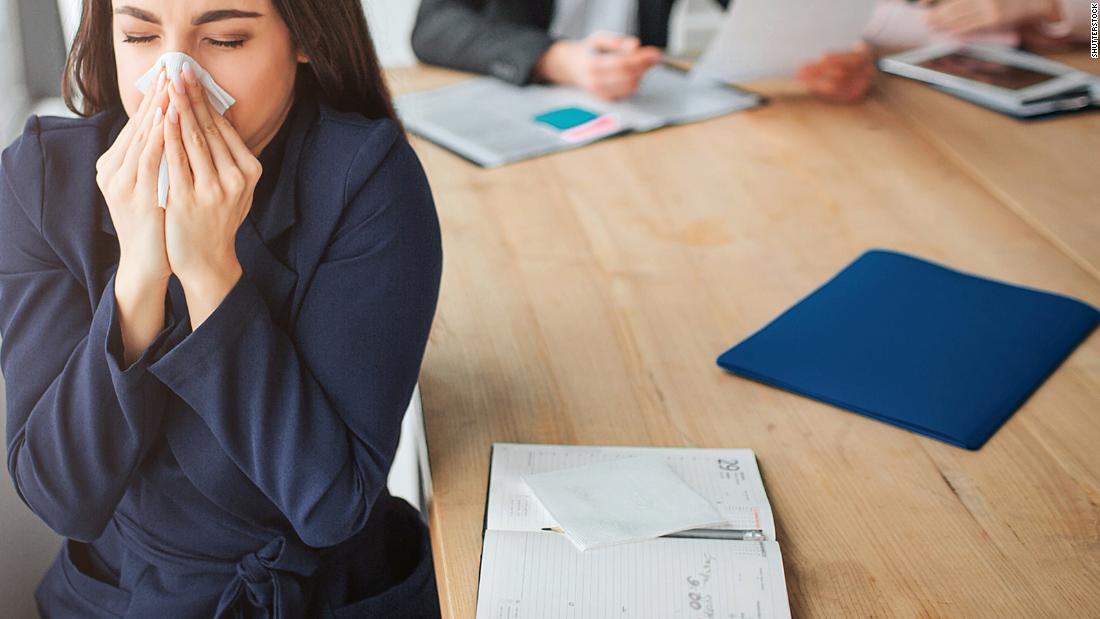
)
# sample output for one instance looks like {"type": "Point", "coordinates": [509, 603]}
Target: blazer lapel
{"type": "Point", "coordinates": [269, 220]}
{"type": "Point", "coordinates": [105, 223]}
{"type": "Point", "coordinates": [279, 212]}
{"type": "Point", "coordinates": [274, 279]}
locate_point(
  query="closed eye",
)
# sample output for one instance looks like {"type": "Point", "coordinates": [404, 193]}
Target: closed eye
{"type": "Point", "coordinates": [232, 43]}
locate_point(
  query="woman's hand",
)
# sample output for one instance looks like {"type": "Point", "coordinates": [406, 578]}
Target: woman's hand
{"type": "Point", "coordinates": [609, 66]}
{"type": "Point", "coordinates": [843, 77]}
{"type": "Point", "coordinates": [962, 16]}
{"type": "Point", "coordinates": [212, 178]}
{"type": "Point", "coordinates": [127, 176]}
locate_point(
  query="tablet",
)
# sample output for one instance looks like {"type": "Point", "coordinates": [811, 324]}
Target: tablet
{"type": "Point", "coordinates": [1002, 75]}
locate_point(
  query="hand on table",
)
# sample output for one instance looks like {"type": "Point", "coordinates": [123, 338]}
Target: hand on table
{"type": "Point", "coordinates": [609, 66]}
{"type": "Point", "coordinates": [842, 77]}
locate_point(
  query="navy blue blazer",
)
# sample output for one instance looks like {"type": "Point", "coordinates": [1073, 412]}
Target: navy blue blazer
{"type": "Point", "coordinates": [240, 469]}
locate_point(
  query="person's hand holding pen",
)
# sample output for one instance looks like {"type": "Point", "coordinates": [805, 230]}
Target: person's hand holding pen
{"type": "Point", "coordinates": [959, 17]}
{"type": "Point", "coordinates": [609, 66]}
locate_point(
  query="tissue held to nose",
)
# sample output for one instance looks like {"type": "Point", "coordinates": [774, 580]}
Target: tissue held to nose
{"type": "Point", "coordinates": [220, 100]}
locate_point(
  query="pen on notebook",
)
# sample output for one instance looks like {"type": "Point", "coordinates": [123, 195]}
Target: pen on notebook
{"type": "Point", "coordinates": [747, 535]}
{"type": "Point", "coordinates": [597, 49]}
{"type": "Point", "coordinates": [602, 51]}
{"type": "Point", "coordinates": [744, 535]}
{"type": "Point", "coordinates": [665, 58]}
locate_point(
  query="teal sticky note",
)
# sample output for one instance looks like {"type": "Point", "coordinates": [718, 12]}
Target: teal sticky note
{"type": "Point", "coordinates": [566, 117]}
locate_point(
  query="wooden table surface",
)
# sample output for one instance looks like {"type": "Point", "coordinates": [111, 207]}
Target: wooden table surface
{"type": "Point", "coordinates": [587, 294]}
{"type": "Point", "coordinates": [1048, 172]}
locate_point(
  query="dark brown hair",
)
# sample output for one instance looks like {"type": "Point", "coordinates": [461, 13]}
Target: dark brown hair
{"type": "Point", "coordinates": [343, 69]}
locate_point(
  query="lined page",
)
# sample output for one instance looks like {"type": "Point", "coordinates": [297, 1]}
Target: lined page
{"type": "Point", "coordinates": [728, 478]}
{"type": "Point", "coordinates": [538, 574]}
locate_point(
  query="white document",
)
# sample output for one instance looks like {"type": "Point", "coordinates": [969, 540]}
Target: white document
{"type": "Point", "coordinates": [727, 478]}
{"type": "Point", "coordinates": [540, 574]}
{"type": "Point", "coordinates": [772, 38]}
{"type": "Point", "coordinates": [492, 123]}
{"type": "Point", "coordinates": [621, 501]}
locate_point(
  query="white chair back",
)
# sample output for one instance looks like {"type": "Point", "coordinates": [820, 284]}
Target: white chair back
{"type": "Point", "coordinates": [408, 477]}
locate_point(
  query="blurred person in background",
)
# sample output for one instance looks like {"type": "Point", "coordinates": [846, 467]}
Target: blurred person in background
{"type": "Point", "coordinates": [602, 46]}
{"type": "Point", "coordinates": [606, 46]}
{"type": "Point", "coordinates": [1042, 24]}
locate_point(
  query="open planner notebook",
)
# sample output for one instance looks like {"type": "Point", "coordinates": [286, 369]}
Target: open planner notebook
{"type": "Point", "coordinates": [491, 122]}
{"type": "Point", "coordinates": [530, 570]}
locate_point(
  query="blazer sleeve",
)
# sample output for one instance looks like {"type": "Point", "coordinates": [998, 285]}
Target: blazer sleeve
{"type": "Point", "coordinates": [458, 34]}
{"type": "Point", "coordinates": [78, 423]}
{"type": "Point", "coordinates": [313, 417]}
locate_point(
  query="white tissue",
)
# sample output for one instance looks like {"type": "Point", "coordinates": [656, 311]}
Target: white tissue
{"type": "Point", "coordinates": [220, 100]}
{"type": "Point", "coordinates": [621, 501]}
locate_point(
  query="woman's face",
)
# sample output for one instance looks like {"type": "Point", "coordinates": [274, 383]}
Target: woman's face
{"type": "Point", "coordinates": [244, 44]}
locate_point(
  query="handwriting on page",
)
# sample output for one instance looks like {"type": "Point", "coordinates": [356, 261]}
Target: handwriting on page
{"type": "Point", "coordinates": [540, 575]}
{"type": "Point", "coordinates": [519, 506]}
{"type": "Point", "coordinates": [699, 596]}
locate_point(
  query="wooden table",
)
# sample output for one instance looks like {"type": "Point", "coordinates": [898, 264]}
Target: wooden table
{"type": "Point", "coordinates": [1047, 172]}
{"type": "Point", "coordinates": [587, 294]}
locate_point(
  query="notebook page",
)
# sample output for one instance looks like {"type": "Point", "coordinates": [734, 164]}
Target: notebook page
{"type": "Point", "coordinates": [728, 478]}
{"type": "Point", "coordinates": [665, 96]}
{"type": "Point", "coordinates": [668, 96]}
{"type": "Point", "coordinates": [534, 575]}
{"type": "Point", "coordinates": [485, 120]}
{"type": "Point", "coordinates": [492, 122]}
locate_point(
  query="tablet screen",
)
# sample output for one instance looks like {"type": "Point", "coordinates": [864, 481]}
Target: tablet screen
{"type": "Point", "coordinates": [986, 71]}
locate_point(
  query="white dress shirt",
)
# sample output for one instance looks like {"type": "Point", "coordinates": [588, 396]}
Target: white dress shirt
{"type": "Point", "coordinates": [576, 19]}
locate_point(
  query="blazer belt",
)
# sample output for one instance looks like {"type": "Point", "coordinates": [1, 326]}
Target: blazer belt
{"type": "Point", "coordinates": [272, 579]}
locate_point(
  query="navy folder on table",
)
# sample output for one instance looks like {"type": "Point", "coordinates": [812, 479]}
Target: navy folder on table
{"type": "Point", "coordinates": [917, 345]}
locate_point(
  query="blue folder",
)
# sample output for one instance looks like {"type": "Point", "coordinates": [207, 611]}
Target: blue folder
{"type": "Point", "coordinates": [917, 345]}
